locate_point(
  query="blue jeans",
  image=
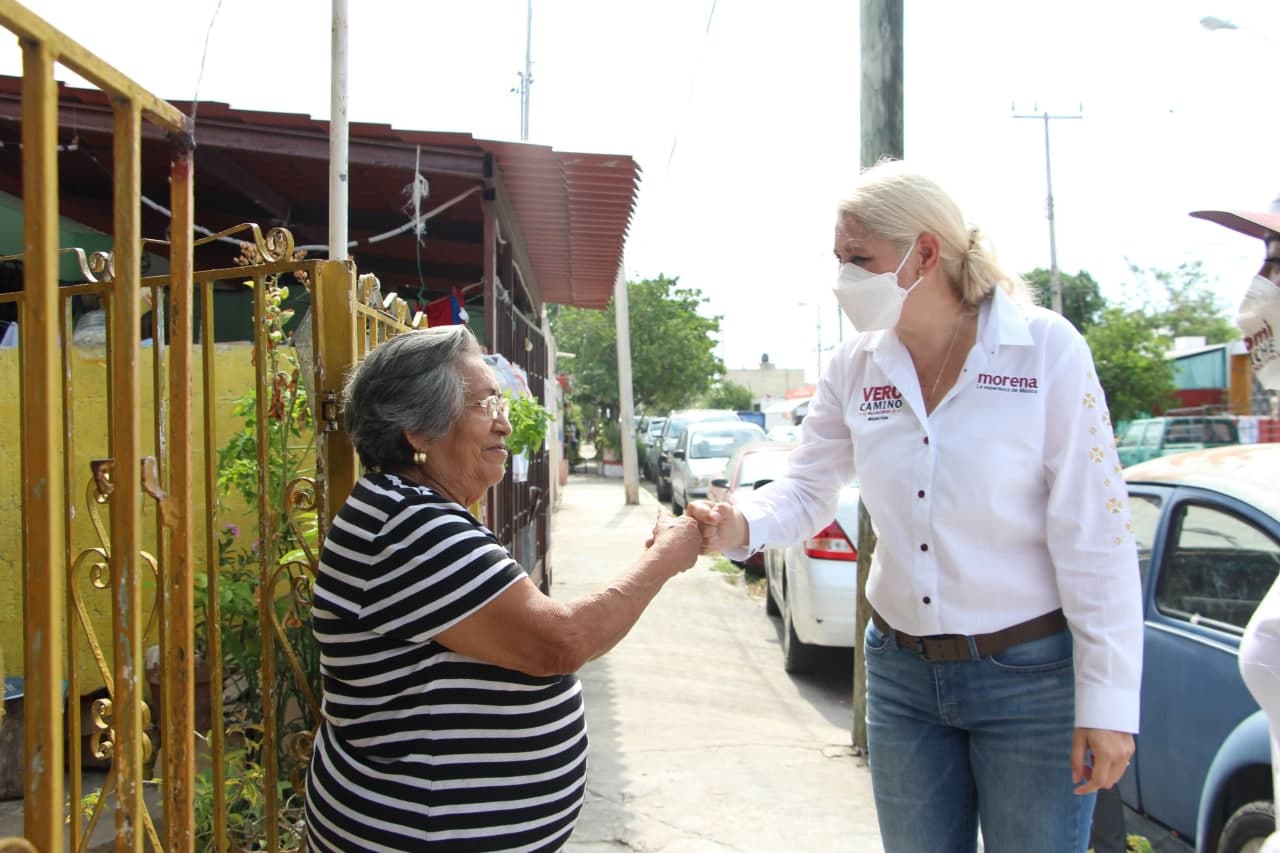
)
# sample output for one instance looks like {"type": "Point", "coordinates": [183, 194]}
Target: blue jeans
{"type": "Point", "coordinates": [952, 744]}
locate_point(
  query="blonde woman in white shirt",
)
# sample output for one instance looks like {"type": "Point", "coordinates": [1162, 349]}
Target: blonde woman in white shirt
{"type": "Point", "coordinates": [1004, 657]}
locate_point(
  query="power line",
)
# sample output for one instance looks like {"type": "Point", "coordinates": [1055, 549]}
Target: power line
{"type": "Point", "coordinates": [693, 85]}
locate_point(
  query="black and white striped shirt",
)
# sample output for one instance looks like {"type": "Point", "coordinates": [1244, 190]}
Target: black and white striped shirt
{"type": "Point", "coordinates": [418, 745]}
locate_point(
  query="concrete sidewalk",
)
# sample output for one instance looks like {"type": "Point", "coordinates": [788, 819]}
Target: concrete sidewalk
{"type": "Point", "coordinates": [699, 740]}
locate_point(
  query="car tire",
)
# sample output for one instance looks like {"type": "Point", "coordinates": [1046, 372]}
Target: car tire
{"type": "Point", "coordinates": [664, 493]}
{"type": "Point", "coordinates": [770, 603]}
{"type": "Point", "coordinates": [797, 657]}
{"type": "Point", "coordinates": [1251, 823]}
{"type": "Point", "coordinates": [677, 508]}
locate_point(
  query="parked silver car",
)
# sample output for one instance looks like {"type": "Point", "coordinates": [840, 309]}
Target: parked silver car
{"type": "Point", "coordinates": [676, 422]}
{"type": "Point", "coordinates": [701, 454]}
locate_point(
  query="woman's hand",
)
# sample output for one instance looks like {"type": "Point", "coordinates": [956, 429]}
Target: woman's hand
{"type": "Point", "coordinates": [676, 539]}
{"type": "Point", "coordinates": [1111, 752]}
{"type": "Point", "coordinates": [722, 525]}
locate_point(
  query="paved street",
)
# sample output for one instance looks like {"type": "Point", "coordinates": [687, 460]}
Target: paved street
{"type": "Point", "coordinates": [699, 740]}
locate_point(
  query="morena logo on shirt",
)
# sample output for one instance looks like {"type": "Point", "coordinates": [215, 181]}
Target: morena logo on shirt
{"type": "Point", "coordinates": [880, 400]}
{"type": "Point", "coordinates": [1001, 382]}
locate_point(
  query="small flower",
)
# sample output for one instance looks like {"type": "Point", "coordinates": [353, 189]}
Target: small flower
{"type": "Point", "coordinates": [233, 529]}
{"type": "Point", "coordinates": [1093, 430]}
{"type": "Point", "coordinates": [1089, 401]}
{"type": "Point", "coordinates": [1096, 454]}
{"type": "Point", "coordinates": [1115, 506]}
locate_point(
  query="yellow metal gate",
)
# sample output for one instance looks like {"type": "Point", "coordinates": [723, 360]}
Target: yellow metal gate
{"type": "Point", "coordinates": [146, 449]}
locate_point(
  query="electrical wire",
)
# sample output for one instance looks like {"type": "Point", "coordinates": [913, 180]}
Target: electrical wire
{"type": "Point", "coordinates": [195, 99]}
{"type": "Point", "coordinates": [693, 84]}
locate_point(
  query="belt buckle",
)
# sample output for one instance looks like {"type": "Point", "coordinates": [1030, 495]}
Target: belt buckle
{"type": "Point", "coordinates": [945, 648]}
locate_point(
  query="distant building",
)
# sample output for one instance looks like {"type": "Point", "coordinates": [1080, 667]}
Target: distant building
{"type": "Point", "coordinates": [767, 382]}
{"type": "Point", "coordinates": [1215, 376]}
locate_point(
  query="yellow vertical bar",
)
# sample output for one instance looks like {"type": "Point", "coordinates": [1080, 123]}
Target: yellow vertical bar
{"type": "Point", "coordinates": [43, 496]}
{"type": "Point", "coordinates": [126, 502]}
{"type": "Point", "coordinates": [213, 611]}
{"type": "Point", "coordinates": [179, 754]}
{"type": "Point", "coordinates": [334, 299]}
{"type": "Point", "coordinates": [73, 622]}
{"type": "Point", "coordinates": [267, 507]}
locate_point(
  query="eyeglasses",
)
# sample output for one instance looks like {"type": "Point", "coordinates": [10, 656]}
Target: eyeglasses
{"type": "Point", "coordinates": [496, 406]}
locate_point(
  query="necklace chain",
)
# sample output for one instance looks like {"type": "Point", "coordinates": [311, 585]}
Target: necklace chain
{"type": "Point", "coordinates": [946, 358]}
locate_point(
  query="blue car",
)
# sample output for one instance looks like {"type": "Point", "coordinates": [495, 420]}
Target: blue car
{"type": "Point", "coordinates": [1207, 524]}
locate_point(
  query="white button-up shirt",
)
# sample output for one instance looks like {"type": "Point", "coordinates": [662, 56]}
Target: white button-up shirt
{"type": "Point", "coordinates": [1004, 503]}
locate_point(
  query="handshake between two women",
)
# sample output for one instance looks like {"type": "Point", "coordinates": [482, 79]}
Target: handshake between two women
{"type": "Point", "coordinates": [720, 527]}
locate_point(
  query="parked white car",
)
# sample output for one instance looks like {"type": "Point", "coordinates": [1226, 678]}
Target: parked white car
{"type": "Point", "coordinates": [813, 586]}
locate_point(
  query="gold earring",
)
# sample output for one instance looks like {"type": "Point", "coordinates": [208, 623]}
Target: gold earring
{"type": "Point", "coordinates": [419, 457]}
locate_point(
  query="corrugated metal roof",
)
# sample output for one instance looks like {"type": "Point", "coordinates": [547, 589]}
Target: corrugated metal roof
{"type": "Point", "coordinates": [572, 209]}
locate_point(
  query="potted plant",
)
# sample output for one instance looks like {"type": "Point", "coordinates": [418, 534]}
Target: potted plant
{"type": "Point", "coordinates": [529, 422]}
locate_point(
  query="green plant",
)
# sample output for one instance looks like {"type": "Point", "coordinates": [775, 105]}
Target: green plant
{"type": "Point", "coordinates": [529, 421]}
{"type": "Point", "coordinates": [244, 789]}
{"type": "Point", "coordinates": [275, 569]}
{"type": "Point", "coordinates": [288, 416]}
{"type": "Point", "coordinates": [89, 802]}
{"type": "Point", "coordinates": [1135, 844]}
{"type": "Point", "coordinates": [611, 439]}
{"type": "Point", "coordinates": [1138, 844]}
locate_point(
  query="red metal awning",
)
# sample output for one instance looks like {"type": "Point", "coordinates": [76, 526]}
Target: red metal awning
{"type": "Point", "coordinates": [573, 210]}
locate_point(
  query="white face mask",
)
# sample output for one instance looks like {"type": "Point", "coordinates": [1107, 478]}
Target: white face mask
{"type": "Point", "coordinates": [872, 301]}
{"type": "Point", "coordinates": [1259, 320]}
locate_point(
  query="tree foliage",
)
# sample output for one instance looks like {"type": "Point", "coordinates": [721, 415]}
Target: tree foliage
{"type": "Point", "coordinates": [1131, 359]}
{"type": "Point", "coordinates": [1082, 299]}
{"type": "Point", "coordinates": [729, 395]}
{"type": "Point", "coordinates": [1131, 342]}
{"type": "Point", "coordinates": [672, 349]}
{"type": "Point", "coordinates": [1183, 303]}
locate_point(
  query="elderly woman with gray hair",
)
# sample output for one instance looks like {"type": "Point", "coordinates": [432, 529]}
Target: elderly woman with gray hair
{"type": "Point", "coordinates": [452, 717]}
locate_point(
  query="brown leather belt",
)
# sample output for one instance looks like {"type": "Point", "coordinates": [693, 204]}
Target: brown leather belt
{"type": "Point", "coordinates": [945, 648]}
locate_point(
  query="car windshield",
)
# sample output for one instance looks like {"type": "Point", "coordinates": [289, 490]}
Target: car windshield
{"type": "Point", "coordinates": [720, 443]}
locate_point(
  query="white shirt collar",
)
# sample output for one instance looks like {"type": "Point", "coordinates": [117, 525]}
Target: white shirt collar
{"type": "Point", "coordinates": [1002, 323]}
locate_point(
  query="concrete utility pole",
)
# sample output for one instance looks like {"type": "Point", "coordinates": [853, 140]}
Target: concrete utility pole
{"type": "Point", "coordinates": [1055, 280]}
{"type": "Point", "coordinates": [339, 185]}
{"type": "Point", "coordinates": [526, 78]}
{"type": "Point", "coordinates": [622, 322]}
{"type": "Point", "coordinates": [881, 123]}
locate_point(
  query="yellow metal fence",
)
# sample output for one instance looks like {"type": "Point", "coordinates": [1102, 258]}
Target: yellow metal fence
{"type": "Point", "coordinates": [140, 466]}
{"type": "Point", "coordinates": [264, 450]}
{"type": "Point", "coordinates": [44, 474]}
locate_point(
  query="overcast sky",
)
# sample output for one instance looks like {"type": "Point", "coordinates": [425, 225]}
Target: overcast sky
{"type": "Point", "coordinates": [745, 120]}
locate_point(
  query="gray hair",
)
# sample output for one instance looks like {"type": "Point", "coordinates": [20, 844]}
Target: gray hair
{"type": "Point", "coordinates": [899, 204]}
{"type": "Point", "coordinates": [410, 384]}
